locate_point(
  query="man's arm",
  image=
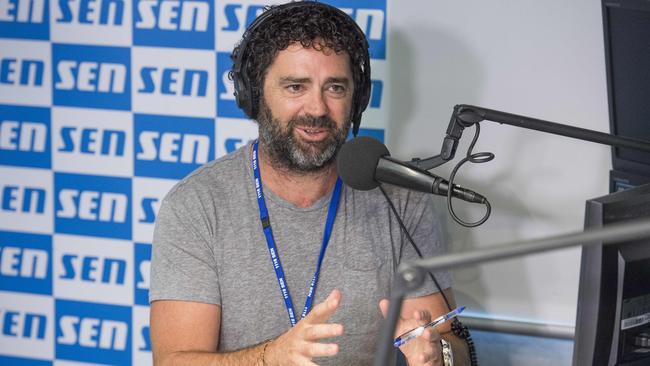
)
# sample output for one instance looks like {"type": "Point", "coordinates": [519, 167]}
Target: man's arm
{"type": "Point", "coordinates": [187, 333]}
{"type": "Point", "coordinates": [436, 305]}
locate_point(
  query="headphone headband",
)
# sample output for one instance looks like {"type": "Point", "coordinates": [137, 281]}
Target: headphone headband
{"type": "Point", "coordinates": [244, 91]}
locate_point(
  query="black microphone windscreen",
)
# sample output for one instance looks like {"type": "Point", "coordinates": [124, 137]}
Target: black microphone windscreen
{"type": "Point", "coordinates": [357, 162]}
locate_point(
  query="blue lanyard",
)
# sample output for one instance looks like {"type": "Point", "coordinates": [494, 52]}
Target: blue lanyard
{"type": "Point", "coordinates": [270, 242]}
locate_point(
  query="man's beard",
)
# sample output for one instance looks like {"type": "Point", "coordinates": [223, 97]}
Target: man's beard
{"type": "Point", "coordinates": [288, 152]}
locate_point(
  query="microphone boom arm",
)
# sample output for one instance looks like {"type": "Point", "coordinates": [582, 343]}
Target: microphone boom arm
{"type": "Point", "coordinates": [467, 115]}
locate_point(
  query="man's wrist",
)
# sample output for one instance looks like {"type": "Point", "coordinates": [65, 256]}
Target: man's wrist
{"type": "Point", "coordinates": [263, 358]}
{"type": "Point", "coordinates": [264, 355]}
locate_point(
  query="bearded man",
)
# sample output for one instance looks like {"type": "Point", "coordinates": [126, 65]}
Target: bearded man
{"type": "Point", "coordinates": [244, 241]}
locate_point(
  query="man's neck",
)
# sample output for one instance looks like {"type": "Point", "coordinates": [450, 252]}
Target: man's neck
{"type": "Point", "coordinates": [300, 189]}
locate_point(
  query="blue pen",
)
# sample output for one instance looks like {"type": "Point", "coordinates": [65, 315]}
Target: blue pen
{"type": "Point", "coordinates": [414, 333]}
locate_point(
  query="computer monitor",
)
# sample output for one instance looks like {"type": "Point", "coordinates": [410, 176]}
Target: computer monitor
{"type": "Point", "coordinates": [613, 313]}
{"type": "Point", "coordinates": [626, 27]}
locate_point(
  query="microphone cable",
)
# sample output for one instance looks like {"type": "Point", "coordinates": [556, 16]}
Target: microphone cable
{"type": "Point", "coordinates": [457, 327]}
{"type": "Point", "coordinates": [476, 158]}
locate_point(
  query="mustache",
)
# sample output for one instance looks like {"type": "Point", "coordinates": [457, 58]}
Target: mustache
{"type": "Point", "coordinates": [313, 122]}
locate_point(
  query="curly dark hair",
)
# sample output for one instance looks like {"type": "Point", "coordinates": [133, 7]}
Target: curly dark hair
{"type": "Point", "coordinates": [317, 26]}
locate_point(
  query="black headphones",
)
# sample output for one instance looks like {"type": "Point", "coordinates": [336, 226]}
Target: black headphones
{"type": "Point", "coordinates": [244, 92]}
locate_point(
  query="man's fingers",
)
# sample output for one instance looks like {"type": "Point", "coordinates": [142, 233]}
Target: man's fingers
{"type": "Point", "coordinates": [429, 354]}
{"type": "Point", "coordinates": [324, 310]}
{"type": "Point", "coordinates": [304, 361]}
{"type": "Point", "coordinates": [320, 331]}
{"type": "Point", "coordinates": [316, 349]}
{"type": "Point", "coordinates": [383, 306]}
{"type": "Point", "coordinates": [422, 316]}
{"type": "Point", "coordinates": [431, 335]}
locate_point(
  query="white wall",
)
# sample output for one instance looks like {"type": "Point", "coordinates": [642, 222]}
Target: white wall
{"type": "Point", "coordinates": [543, 59]}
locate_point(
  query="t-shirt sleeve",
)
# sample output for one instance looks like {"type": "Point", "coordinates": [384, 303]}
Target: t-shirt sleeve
{"type": "Point", "coordinates": [183, 263]}
{"type": "Point", "coordinates": [425, 228]}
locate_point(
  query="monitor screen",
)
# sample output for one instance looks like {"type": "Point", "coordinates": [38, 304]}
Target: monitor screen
{"type": "Point", "coordinates": [627, 34]}
{"type": "Point", "coordinates": [613, 313]}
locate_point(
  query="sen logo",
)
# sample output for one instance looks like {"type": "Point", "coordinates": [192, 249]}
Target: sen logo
{"type": "Point", "coordinates": [93, 269]}
{"type": "Point", "coordinates": [25, 262]}
{"type": "Point", "coordinates": [24, 19]}
{"type": "Point", "coordinates": [25, 72]}
{"type": "Point", "coordinates": [17, 323]}
{"type": "Point", "coordinates": [26, 200]}
{"type": "Point", "coordinates": [25, 136]}
{"type": "Point", "coordinates": [90, 332]}
{"type": "Point", "coordinates": [102, 12]}
{"type": "Point", "coordinates": [94, 22]}
{"type": "Point", "coordinates": [93, 205]}
{"type": "Point", "coordinates": [173, 23]}
{"type": "Point", "coordinates": [26, 328]}
{"type": "Point", "coordinates": [21, 72]}
{"type": "Point", "coordinates": [92, 76]}
{"type": "Point", "coordinates": [179, 83]}
{"type": "Point", "coordinates": [172, 147]}
{"type": "Point", "coordinates": [23, 199]}
{"type": "Point", "coordinates": [91, 141]}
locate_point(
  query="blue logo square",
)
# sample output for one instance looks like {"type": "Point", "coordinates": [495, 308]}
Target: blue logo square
{"type": "Point", "coordinates": [171, 147]}
{"type": "Point", "coordinates": [25, 136]}
{"type": "Point", "coordinates": [25, 19]}
{"type": "Point", "coordinates": [90, 332]}
{"type": "Point", "coordinates": [91, 76]}
{"type": "Point", "coordinates": [92, 205]}
{"type": "Point", "coordinates": [26, 263]}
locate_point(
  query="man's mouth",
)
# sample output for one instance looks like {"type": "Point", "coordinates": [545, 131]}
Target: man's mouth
{"type": "Point", "coordinates": [312, 133]}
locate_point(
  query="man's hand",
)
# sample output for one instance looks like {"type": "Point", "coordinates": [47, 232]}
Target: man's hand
{"type": "Point", "coordinates": [423, 350]}
{"type": "Point", "coordinates": [301, 343]}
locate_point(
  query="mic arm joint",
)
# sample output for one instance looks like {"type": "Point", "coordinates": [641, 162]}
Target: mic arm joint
{"type": "Point", "coordinates": [463, 116]}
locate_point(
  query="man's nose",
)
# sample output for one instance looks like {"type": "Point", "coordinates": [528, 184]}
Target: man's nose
{"type": "Point", "coordinates": [316, 105]}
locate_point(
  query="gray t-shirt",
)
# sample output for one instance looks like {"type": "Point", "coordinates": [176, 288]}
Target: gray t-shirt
{"type": "Point", "coordinates": [209, 247]}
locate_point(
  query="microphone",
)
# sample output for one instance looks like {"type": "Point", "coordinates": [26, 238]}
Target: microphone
{"type": "Point", "coordinates": [364, 162]}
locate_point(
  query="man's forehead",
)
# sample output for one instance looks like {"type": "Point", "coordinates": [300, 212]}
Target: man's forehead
{"type": "Point", "coordinates": [296, 55]}
{"type": "Point", "coordinates": [317, 45]}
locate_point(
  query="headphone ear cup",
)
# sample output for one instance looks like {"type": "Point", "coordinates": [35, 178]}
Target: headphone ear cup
{"type": "Point", "coordinates": [241, 94]}
{"type": "Point", "coordinates": [362, 99]}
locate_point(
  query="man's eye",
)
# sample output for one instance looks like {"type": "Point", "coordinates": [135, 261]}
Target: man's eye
{"type": "Point", "coordinates": [338, 89]}
{"type": "Point", "coordinates": [294, 88]}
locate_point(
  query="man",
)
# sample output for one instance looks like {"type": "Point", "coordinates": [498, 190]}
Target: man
{"type": "Point", "coordinates": [236, 249]}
